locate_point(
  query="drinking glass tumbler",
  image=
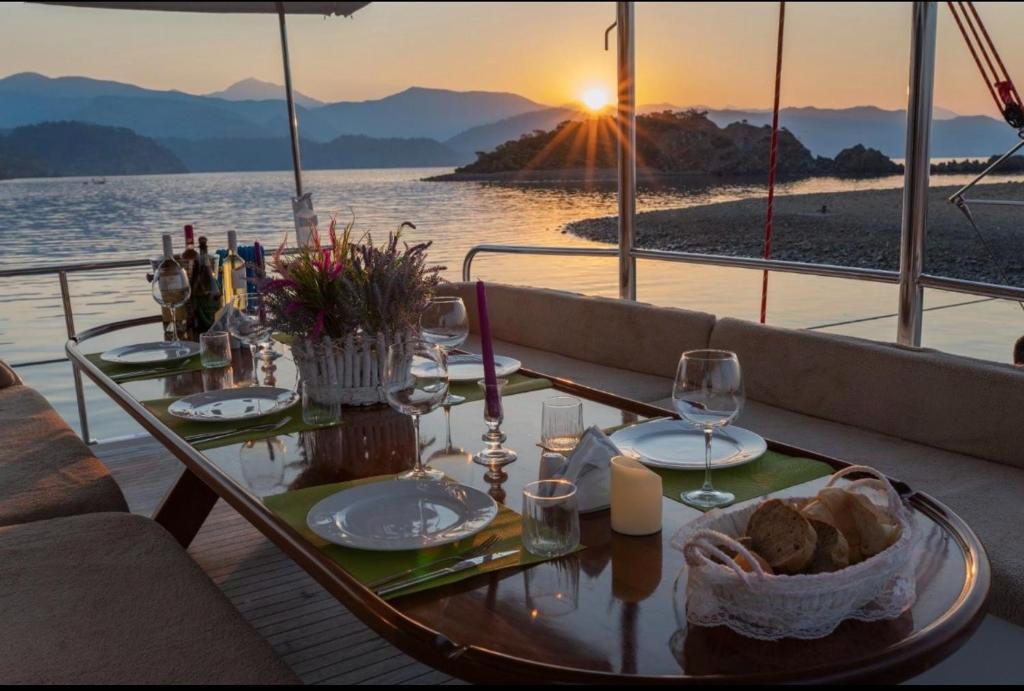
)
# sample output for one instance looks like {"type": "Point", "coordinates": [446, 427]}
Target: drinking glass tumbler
{"type": "Point", "coordinates": [561, 423]}
{"type": "Point", "coordinates": [317, 408]}
{"type": "Point", "coordinates": [215, 349]}
{"type": "Point", "coordinates": [551, 521]}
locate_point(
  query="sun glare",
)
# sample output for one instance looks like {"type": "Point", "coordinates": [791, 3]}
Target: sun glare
{"type": "Point", "coordinates": [595, 98]}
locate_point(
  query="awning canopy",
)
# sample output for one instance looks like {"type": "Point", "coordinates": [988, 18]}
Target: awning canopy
{"type": "Point", "coordinates": [326, 9]}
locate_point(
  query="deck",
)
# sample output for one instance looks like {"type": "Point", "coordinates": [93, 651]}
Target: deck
{"type": "Point", "coordinates": [317, 637]}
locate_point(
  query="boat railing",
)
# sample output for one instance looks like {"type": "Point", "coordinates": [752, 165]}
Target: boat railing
{"type": "Point", "coordinates": [977, 288]}
{"type": "Point", "coordinates": [955, 285]}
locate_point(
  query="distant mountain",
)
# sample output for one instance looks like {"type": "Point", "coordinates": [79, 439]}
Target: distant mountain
{"type": "Point", "coordinates": [29, 98]}
{"type": "Point", "coordinates": [346, 151]}
{"type": "Point", "coordinates": [487, 137]}
{"type": "Point", "coordinates": [257, 90]}
{"type": "Point", "coordinates": [75, 148]}
{"type": "Point", "coordinates": [418, 112]}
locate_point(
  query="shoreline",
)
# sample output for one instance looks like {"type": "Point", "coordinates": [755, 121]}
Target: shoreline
{"type": "Point", "coordinates": [860, 228]}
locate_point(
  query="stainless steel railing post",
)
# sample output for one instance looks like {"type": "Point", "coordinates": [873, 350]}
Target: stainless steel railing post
{"type": "Point", "coordinates": [626, 119]}
{"type": "Point", "coordinates": [69, 322]}
{"type": "Point", "coordinates": [915, 181]}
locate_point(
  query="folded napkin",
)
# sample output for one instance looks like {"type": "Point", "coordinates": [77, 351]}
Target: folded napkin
{"type": "Point", "coordinates": [588, 467]}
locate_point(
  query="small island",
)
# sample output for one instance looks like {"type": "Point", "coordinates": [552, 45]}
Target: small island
{"type": "Point", "coordinates": [669, 144]}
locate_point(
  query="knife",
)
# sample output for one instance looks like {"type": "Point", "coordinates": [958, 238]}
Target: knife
{"type": "Point", "coordinates": [448, 570]}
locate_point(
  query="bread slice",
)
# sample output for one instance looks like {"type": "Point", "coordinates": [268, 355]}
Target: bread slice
{"type": "Point", "coordinates": [867, 528]}
{"type": "Point", "coordinates": [781, 535]}
{"type": "Point", "coordinates": [832, 551]}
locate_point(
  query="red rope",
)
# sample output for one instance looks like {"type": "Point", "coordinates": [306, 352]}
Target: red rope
{"type": "Point", "coordinates": [980, 43]}
{"type": "Point", "coordinates": [772, 161]}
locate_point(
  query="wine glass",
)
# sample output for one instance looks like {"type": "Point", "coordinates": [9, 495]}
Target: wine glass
{"type": "Point", "coordinates": [708, 392]}
{"type": "Point", "coordinates": [253, 328]}
{"type": "Point", "coordinates": [171, 289]}
{"type": "Point", "coordinates": [445, 322]}
{"type": "Point", "coordinates": [416, 382]}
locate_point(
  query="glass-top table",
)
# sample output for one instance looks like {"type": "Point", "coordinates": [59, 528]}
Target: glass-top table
{"type": "Point", "coordinates": [622, 616]}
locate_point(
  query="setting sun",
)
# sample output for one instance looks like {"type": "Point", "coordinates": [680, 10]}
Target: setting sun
{"type": "Point", "coordinates": [595, 98]}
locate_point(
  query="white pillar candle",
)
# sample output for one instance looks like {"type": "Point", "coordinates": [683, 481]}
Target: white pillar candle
{"type": "Point", "coordinates": [636, 497]}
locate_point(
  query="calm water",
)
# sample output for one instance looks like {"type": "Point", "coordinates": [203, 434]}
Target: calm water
{"type": "Point", "coordinates": [61, 220]}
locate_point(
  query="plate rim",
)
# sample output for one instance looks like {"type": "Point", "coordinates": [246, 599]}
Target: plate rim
{"type": "Point", "coordinates": [294, 395]}
{"type": "Point", "coordinates": [193, 346]}
{"type": "Point", "coordinates": [512, 363]}
{"type": "Point", "coordinates": [348, 545]}
{"type": "Point", "coordinates": [667, 465]}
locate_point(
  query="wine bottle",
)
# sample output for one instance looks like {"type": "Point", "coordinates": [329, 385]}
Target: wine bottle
{"type": "Point", "coordinates": [232, 271]}
{"type": "Point", "coordinates": [205, 290]}
{"type": "Point", "coordinates": [173, 290]}
{"type": "Point", "coordinates": [189, 256]}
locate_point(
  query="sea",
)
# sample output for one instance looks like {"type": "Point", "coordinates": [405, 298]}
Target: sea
{"type": "Point", "coordinates": [61, 220]}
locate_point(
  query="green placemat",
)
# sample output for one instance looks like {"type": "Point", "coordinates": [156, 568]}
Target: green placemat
{"type": "Point", "coordinates": [770, 473]}
{"type": "Point", "coordinates": [367, 566]}
{"type": "Point", "coordinates": [517, 383]}
{"type": "Point", "coordinates": [123, 373]}
{"type": "Point", "coordinates": [187, 428]}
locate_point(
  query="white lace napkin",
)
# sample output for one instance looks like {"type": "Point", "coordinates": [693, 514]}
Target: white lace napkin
{"type": "Point", "coordinates": [588, 467]}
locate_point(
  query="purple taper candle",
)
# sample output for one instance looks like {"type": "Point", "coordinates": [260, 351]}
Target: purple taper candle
{"type": "Point", "coordinates": [492, 399]}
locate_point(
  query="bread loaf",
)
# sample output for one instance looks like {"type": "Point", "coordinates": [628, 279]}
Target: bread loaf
{"type": "Point", "coordinates": [832, 551]}
{"type": "Point", "coordinates": [782, 536]}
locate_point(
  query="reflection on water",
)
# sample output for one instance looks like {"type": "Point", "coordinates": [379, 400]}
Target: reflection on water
{"type": "Point", "coordinates": [62, 220]}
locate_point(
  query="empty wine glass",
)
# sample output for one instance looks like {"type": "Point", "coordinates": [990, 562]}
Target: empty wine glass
{"type": "Point", "coordinates": [253, 328]}
{"type": "Point", "coordinates": [416, 382]}
{"type": "Point", "coordinates": [708, 392]}
{"type": "Point", "coordinates": [445, 322]}
{"type": "Point", "coordinates": [171, 289]}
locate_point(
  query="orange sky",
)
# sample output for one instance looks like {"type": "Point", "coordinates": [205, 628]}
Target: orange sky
{"type": "Point", "coordinates": [837, 54]}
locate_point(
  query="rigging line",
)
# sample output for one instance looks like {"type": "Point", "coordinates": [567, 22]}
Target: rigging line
{"type": "Point", "coordinates": [772, 161]}
{"type": "Point", "coordinates": [995, 52]}
{"type": "Point", "coordinates": [966, 211]}
{"type": "Point", "coordinates": [890, 316]}
{"type": "Point", "coordinates": [981, 45]}
{"type": "Point", "coordinates": [977, 61]}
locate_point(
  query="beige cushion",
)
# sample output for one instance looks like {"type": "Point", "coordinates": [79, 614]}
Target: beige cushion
{"type": "Point", "coordinates": [985, 494]}
{"type": "Point", "coordinates": [604, 331]}
{"type": "Point", "coordinates": [45, 469]}
{"type": "Point", "coordinates": [112, 598]}
{"type": "Point", "coordinates": [955, 403]}
{"type": "Point", "coordinates": [635, 385]}
{"type": "Point", "coordinates": [7, 376]}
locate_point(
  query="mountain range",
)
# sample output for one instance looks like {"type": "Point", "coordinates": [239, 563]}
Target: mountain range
{"type": "Point", "coordinates": [417, 126]}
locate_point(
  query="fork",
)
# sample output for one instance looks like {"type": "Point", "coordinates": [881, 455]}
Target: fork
{"type": "Point", "coordinates": [475, 551]}
{"type": "Point", "coordinates": [213, 436]}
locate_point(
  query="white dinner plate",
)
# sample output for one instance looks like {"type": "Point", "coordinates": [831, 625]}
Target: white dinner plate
{"type": "Point", "coordinates": [463, 367]}
{"type": "Point", "coordinates": [396, 515]}
{"type": "Point", "coordinates": [151, 353]}
{"type": "Point", "coordinates": [675, 444]}
{"type": "Point", "coordinates": [233, 404]}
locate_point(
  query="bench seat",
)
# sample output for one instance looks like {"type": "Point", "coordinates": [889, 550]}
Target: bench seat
{"type": "Point", "coordinates": [45, 469]}
{"type": "Point", "coordinates": [111, 598]}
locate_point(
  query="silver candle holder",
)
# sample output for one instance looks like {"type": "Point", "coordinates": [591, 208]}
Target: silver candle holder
{"type": "Point", "coordinates": [494, 454]}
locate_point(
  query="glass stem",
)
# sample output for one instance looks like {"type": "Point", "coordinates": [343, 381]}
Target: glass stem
{"type": "Point", "coordinates": [448, 428]}
{"type": "Point", "coordinates": [708, 431]}
{"type": "Point", "coordinates": [255, 365]}
{"type": "Point", "coordinates": [174, 326]}
{"type": "Point", "coordinates": [419, 454]}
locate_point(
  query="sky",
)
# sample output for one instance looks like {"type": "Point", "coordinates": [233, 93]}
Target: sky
{"type": "Point", "coordinates": [837, 54]}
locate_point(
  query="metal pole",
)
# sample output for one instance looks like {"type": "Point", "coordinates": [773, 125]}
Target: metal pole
{"type": "Point", "coordinates": [69, 322]}
{"type": "Point", "coordinates": [293, 120]}
{"type": "Point", "coordinates": [626, 119]}
{"type": "Point", "coordinates": [915, 181]}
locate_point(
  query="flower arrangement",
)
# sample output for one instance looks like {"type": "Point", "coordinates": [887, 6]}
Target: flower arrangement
{"type": "Point", "coordinates": [350, 287]}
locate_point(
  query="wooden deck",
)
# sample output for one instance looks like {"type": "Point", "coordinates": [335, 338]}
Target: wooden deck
{"type": "Point", "coordinates": [321, 640]}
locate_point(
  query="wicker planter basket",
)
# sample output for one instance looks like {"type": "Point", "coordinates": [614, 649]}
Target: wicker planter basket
{"type": "Point", "coordinates": [347, 371]}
